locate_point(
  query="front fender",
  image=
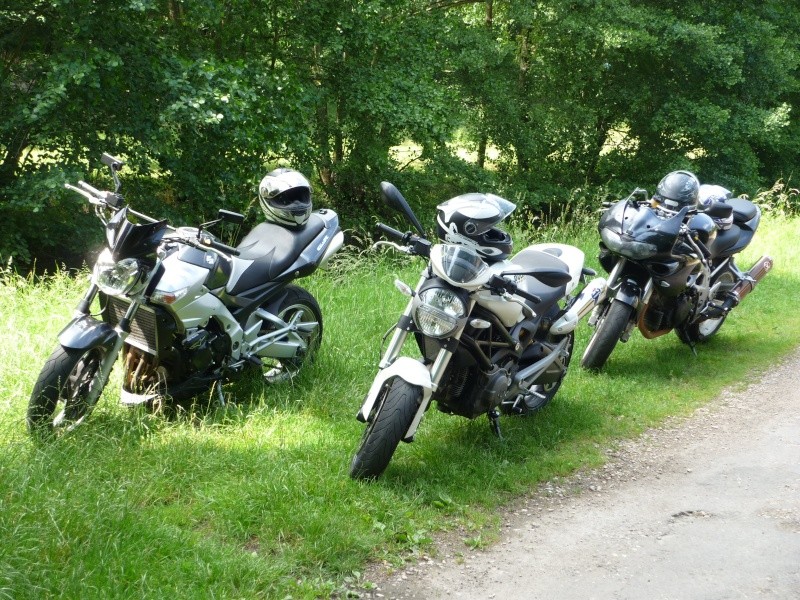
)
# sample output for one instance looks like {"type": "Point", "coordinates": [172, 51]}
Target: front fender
{"type": "Point", "coordinates": [85, 332]}
{"type": "Point", "coordinates": [629, 293]}
{"type": "Point", "coordinates": [409, 370]}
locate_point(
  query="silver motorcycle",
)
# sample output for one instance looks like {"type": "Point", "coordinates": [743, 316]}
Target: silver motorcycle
{"type": "Point", "coordinates": [183, 311]}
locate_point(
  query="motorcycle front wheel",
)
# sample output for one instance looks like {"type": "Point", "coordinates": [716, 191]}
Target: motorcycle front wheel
{"type": "Point", "coordinates": [64, 383]}
{"type": "Point", "coordinates": [389, 420]}
{"type": "Point", "coordinates": [605, 337]}
{"type": "Point", "coordinates": [301, 307]}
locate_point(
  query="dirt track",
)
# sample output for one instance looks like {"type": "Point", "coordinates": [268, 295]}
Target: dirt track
{"type": "Point", "coordinates": [708, 508]}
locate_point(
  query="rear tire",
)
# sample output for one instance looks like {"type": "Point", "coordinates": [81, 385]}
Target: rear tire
{"type": "Point", "coordinates": [702, 331]}
{"type": "Point", "coordinates": [394, 411]}
{"type": "Point", "coordinates": [605, 337]}
{"type": "Point", "coordinates": [65, 380]}
{"type": "Point", "coordinates": [541, 394]}
{"type": "Point", "coordinates": [299, 303]}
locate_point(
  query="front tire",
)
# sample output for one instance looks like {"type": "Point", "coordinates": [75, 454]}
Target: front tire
{"type": "Point", "coordinates": [390, 419]}
{"type": "Point", "coordinates": [605, 337]}
{"type": "Point", "coordinates": [65, 382]}
{"type": "Point", "coordinates": [297, 304]}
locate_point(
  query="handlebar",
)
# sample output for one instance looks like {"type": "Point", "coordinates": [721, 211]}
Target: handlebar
{"type": "Point", "coordinates": [392, 232]}
{"type": "Point", "coordinates": [411, 243]}
{"type": "Point", "coordinates": [207, 241]}
{"type": "Point", "coordinates": [114, 201]}
{"type": "Point", "coordinates": [501, 285]}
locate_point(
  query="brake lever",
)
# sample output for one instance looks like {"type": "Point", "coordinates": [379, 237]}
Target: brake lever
{"type": "Point", "coordinates": [394, 245]}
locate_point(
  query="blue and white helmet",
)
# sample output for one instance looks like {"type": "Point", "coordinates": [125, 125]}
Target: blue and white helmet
{"type": "Point", "coordinates": [708, 195]}
{"type": "Point", "coordinates": [713, 193]}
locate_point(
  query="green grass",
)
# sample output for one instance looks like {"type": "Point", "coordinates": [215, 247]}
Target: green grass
{"type": "Point", "coordinates": [254, 501]}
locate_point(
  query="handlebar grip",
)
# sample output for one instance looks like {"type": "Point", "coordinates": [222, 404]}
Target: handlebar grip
{"type": "Point", "coordinates": [390, 231]}
{"type": "Point", "coordinates": [528, 296]}
{"type": "Point", "coordinates": [90, 189]}
{"type": "Point", "coordinates": [220, 246]}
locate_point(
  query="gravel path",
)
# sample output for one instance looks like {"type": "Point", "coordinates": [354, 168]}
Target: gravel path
{"type": "Point", "coordinates": [706, 508]}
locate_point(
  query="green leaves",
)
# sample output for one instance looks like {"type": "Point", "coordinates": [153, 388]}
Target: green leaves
{"type": "Point", "coordinates": [528, 99]}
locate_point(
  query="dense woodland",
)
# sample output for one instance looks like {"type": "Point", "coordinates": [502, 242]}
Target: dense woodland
{"type": "Point", "coordinates": [549, 103]}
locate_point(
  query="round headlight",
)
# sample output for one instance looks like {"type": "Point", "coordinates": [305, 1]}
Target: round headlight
{"type": "Point", "coordinates": [438, 312]}
{"type": "Point", "coordinates": [116, 278]}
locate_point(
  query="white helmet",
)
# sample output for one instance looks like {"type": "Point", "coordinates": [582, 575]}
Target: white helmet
{"type": "Point", "coordinates": [285, 197]}
{"type": "Point", "coordinates": [713, 193]}
{"type": "Point", "coordinates": [709, 194]}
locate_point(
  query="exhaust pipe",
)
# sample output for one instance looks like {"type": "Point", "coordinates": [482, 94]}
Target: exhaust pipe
{"type": "Point", "coordinates": [591, 296]}
{"type": "Point", "coordinates": [747, 283]}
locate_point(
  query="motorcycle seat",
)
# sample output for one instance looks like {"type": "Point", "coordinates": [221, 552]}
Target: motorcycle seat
{"type": "Point", "coordinates": [743, 209]}
{"type": "Point", "coordinates": [273, 249]}
{"type": "Point", "coordinates": [543, 256]}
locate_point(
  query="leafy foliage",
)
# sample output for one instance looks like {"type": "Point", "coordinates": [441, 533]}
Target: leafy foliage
{"type": "Point", "coordinates": [533, 100]}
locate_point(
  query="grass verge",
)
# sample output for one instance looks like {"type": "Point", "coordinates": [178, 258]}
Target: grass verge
{"type": "Point", "coordinates": [253, 500]}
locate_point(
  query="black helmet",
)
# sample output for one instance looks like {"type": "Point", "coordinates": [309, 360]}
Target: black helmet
{"type": "Point", "coordinates": [285, 197]}
{"type": "Point", "coordinates": [676, 190]}
{"type": "Point", "coordinates": [470, 219]}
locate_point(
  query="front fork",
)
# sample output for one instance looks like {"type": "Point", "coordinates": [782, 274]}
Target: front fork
{"type": "Point", "coordinates": [409, 370]}
{"type": "Point", "coordinates": [625, 291]}
{"type": "Point", "coordinates": [84, 333]}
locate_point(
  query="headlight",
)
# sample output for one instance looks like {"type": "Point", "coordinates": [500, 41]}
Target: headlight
{"type": "Point", "coordinates": [627, 248]}
{"type": "Point", "coordinates": [116, 278]}
{"type": "Point", "coordinates": [438, 312]}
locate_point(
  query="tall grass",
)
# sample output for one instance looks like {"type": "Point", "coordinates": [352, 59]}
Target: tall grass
{"type": "Point", "coordinates": [253, 500]}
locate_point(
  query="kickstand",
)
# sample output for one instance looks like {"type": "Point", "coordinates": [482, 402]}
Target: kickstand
{"type": "Point", "coordinates": [220, 397]}
{"type": "Point", "coordinates": [694, 349]}
{"type": "Point", "coordinates": [494, 421]}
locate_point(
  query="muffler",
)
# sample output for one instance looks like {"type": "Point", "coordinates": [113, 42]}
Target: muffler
{"type": "Point", "coordinates": [591, 296]}
{"type": "Point", "coordinates": [747, 283]}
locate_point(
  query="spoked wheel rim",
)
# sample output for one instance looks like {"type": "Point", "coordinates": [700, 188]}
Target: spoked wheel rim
{"type": "Point", "coordinates": [77, 386]}
{"type": "Point", "coordinates": [284, 369]}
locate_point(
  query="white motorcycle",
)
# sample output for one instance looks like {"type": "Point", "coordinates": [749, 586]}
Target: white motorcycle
{"type": "Point", "coordinates": [184, 311]}
{"type": "Point", "coordinates": [495, 334]}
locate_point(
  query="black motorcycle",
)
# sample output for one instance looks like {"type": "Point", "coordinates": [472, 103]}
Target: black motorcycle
{"type": "Point", "coordinates": [670, 270]}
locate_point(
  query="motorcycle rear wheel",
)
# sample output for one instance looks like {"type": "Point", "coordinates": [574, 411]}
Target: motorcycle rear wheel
{"type": "Point", "coordinates": [702, 331]}
{"type": "Point", "coordinates": [297, 302]}
{"type": "Point", "coordinates": [65, 380]}
{"type": "Point", "coordinates": [394, 411]}
{"type": "Point", "coordinates": [540, 394]}
{"type": "Point", "coordinates": [609, 329]}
